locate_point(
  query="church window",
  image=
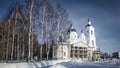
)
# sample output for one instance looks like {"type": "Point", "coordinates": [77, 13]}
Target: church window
{"type": "Point", "coordinates": [64, 53]}
{"type": "Point", "coordinates": [91, 32]}
{"type": "Point", "coordinates": [92, 42]}
{"type": "Point", "coordinates": [87, 31]}
{"type": "Point", "coordinates": [75, 36]}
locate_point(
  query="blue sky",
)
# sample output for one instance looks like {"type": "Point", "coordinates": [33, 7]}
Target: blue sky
{"type": "Point", "coordinates": [104, 15]}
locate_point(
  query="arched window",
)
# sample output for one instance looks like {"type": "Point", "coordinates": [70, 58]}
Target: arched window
{"type": "Point", "coordinates": [64, 53]}
{"type": "Point", "coordinates": [92, 42]}
{"type": "Point", "coordinates": [87, 31]}
{"type": "Point", "coordinates": [91, 32]}
{"type": "Point", "coordinates": [75, 36]}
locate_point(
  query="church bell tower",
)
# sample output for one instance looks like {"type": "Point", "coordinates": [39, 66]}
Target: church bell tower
{"type": "Point", "coordinates": [90, 35]}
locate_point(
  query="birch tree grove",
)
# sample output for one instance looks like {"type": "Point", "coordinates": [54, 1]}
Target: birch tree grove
{"type": "Point", "coordinates": [28, 31]}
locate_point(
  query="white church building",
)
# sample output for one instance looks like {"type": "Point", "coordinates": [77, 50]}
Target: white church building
{"type": "Point", "coordinates": [78, 46]}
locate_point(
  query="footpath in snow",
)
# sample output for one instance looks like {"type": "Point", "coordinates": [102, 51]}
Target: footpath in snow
{"type": "Point", "coordinates": [61, 64]}
{"type": "Point", "coordinates": [41, 64]}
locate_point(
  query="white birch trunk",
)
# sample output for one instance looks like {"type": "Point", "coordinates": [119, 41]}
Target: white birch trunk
{"type": "Point", "coordinates": [23, 47]}
{"type": "Point", "coordinates": [18, 47]}
{"type": "Point", "coordinates": [41, 43]}
{"type": "Point", "coordinates": [32, 44]}
{"type": "Point", "coordinates": [13, 39]}
{"type": "Point", "coordinates": [42, 39]}
{"type": "Point", "coordinates": [30, 31]}
{"type": "Point", "coordinates": [49, 39]}
{"type": "Point", "coordinates": [8, 40]}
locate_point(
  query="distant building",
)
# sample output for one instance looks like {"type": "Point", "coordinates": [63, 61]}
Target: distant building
{"type": "Point", "coordinates": [82, 46]}
{"type": "Point", "coordinates": [116, 55]}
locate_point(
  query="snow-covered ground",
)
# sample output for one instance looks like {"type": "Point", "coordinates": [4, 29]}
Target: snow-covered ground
{"type": "Point", "coordinates": [85, 65]}
{"type": "Point", "coordinates": [61, 64]}
{"type": "Point", "coordinates": [42, 64]}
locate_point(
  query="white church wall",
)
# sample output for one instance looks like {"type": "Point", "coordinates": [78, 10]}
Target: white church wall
{"type": "Point", "coordinates": [60, 51]}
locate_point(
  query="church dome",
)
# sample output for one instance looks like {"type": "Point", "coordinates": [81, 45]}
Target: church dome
{"type": "Point", "coordinates": [87, 25]}
{"type": "Point", "coordinates": [72, 30]}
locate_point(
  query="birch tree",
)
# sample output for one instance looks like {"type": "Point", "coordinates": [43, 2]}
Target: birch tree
{"type": "Point", "coordinates": [31, 16]}
{"type": "Point", "coordinates": [8, 40]}
{"type": "Point", "coordinates": [47, 22]}
{"type": "Point", "coordinates": [62, 21]}
{"type": "Point", "coordinates": [41, 26]}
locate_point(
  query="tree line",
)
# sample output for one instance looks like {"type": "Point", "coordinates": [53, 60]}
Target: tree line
{"type": "Point", "coordinates": [29, 30]}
